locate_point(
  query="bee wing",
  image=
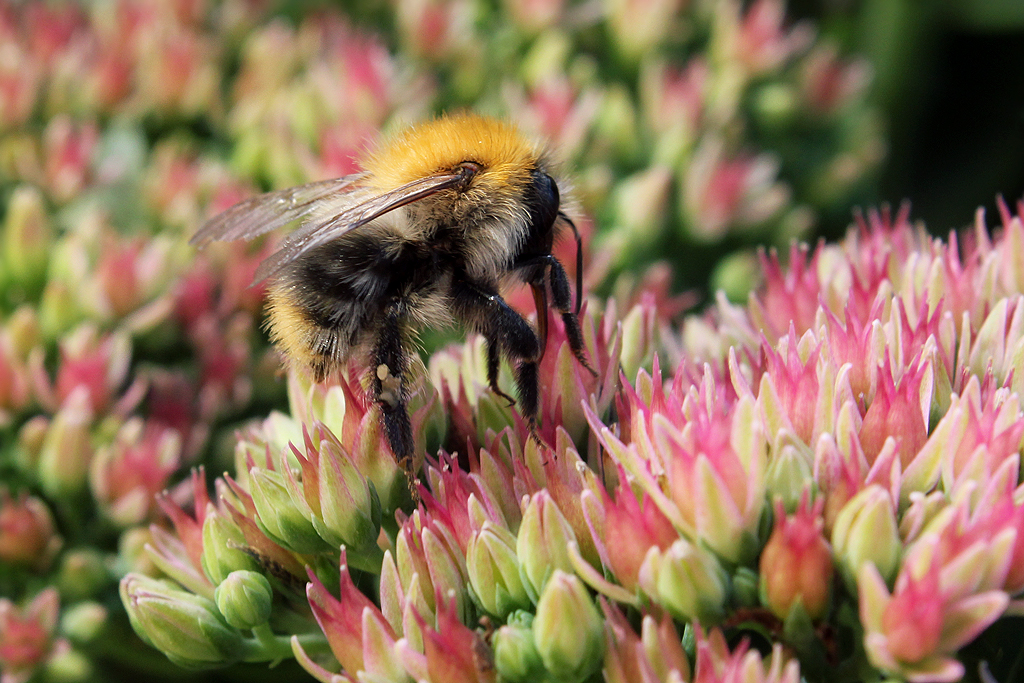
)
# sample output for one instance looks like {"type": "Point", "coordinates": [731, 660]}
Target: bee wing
{"type": "Point", "coordinates": [351, 217]}
{"type": "Point", "coordinates": [265, 212]}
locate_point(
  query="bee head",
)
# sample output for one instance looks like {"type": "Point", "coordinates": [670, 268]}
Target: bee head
{"type": "Point", "coordinates": [497, 160]}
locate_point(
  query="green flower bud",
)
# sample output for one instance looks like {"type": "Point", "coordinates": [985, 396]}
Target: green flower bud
{"type": "Point", "coordinates": [515, 656]}
{"type": "Point", "coordinates": [185, 627]}
{"type": "Point", "coordinates": [28, 237]}
{"type": "Point", "coordinates": [543, 542]}
{"type": "Point", "coordinates": [68, 666]}
{"type": "Point", "coordinates": [278, 516]}
{"type": "Point", "coordinates": [222, 547]}
{"type": "Point", "coordinates": [349, 510]}
{"type": "Point", "coordinates": [245, 599]}
{"type": "Point", "coordinates": [66, 450]}
{"type": "Point", "coordinates": [568, 630]}
{"type": "Point", "coordinates": [59, 309]}
{"type": "Point", "coordinates": [687, 580]}
{"type": "Point", "coordinates": [494, 571]}
{"type": "Point", "coordinates": [83, 622]}
{"type": "Point", "coordinates": [865, 530]}
{"type": "Point", "coordinates": [82, 574]}
{"type": "Point", "coordinates": [775, 105]}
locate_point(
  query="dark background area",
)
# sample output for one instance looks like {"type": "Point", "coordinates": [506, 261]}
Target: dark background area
{"type": "Point", "coordinates": [949, 75]}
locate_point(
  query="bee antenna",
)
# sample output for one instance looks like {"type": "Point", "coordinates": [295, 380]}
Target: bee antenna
{"type": "Point", "coordinates": [579, 259]}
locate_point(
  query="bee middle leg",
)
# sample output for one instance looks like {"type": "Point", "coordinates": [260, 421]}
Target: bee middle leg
{"type": "Point", "coordinates": [493, 361]}
{"type": "Point", "coordinates": [506, 333]}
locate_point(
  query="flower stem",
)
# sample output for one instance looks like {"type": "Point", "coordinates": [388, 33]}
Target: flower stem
{"type": "Point", "coordinates": [266, 646]}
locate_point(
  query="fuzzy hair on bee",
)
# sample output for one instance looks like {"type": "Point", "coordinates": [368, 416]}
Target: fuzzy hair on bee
{"type": "Point", "coordinates": [443, 217]}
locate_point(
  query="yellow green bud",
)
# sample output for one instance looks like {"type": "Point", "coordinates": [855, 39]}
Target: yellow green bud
{"type": "Point", "coordinates": [494, 572]}
{"type": "Point", "coordinates": [515, 656]}
{"type": "Point", "coordinates": [568, 630]}
{"type": "Point", "coordinates": [222, 547]}
{"type": "Point", "coordinates": [865, 530]}
{"type": "Point", "coordinates": [278, 516]}
{"type": "Point", "coordinates": [543, 542]}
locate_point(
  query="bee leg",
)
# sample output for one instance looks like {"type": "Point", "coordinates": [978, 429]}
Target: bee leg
{"type": "Point", "coordinates": [527, 383]}
{"type": "Point", "coordinates": [562, 301]}
{"type": "Point", "coordinates": [540, 301]}
{"type": "Point", "coordinates": [484, 310]}
{"type": "Point", "coordinates": [389, 366]}
{"type": "Point", "coordinates": [493, 360]}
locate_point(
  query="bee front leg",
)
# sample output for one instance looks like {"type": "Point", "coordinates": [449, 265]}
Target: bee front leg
{"type": "Point", "coordinates": [562, 301]}
{"type": "Point", "coordinates": [390, 363]}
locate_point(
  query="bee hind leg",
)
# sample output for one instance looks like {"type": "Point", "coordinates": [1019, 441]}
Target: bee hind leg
{"type": "Point", "coordinates": [387, 385]}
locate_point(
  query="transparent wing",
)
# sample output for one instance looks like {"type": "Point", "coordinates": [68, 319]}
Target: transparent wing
{"type": "Point", "coordinates": [332, 224]}
{"type": "Point", "coordinates": [266, 212]}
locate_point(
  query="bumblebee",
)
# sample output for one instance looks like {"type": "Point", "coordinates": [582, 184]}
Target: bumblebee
{"type": "Point", "coordinates": [443, 217]}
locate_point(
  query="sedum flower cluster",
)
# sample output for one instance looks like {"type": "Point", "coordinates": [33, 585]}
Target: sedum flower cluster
{"type": "Point", "coordinates": [825, 486]}
{"type": "Point", "coordinates": [127, 359]}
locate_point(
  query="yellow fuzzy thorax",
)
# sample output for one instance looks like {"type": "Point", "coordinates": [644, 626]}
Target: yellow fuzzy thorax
{"type": "Point", "coordinates": [506, 155]}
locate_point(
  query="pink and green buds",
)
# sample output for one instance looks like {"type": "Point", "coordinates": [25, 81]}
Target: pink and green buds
{"type": "Point", "coordinates": [28, 639]}
{"type": "Point", "coordinates": [337, 498]}
{"type": "Point", "coordinates": [915, 631]}
{"type": "Point", "coordinates": [356, 630]}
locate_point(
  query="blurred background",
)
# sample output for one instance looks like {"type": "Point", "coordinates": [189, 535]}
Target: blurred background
{"type": "Point", "coordinates": [949, 76]}
{"type": "Point", "coordinates": [695, 133]}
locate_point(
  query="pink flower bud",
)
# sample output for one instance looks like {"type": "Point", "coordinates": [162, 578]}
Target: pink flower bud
{"type": "Point", "coordinates": [27, 536]}
{"type": "Point", "coordinates": [796, 563]}
{"type": "Point", "coordinates": [632, 527]}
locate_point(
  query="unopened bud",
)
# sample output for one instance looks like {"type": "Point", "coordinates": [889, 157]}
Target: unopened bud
{"type": "Point", "coordinates": [223, 544]}
{"type": "Point", "coordinates": [568, 630]}
{"type": "Point", "coordinates": [185, 627]}
{"type": "Point", "coordinates": [278, 516]}
{"type": "Point", "coordinates": [84, 622]}
{"type": "Point", "coordinates": [515, 656]}
{"type": "Point", "coordinates": [543, 542]}
{"type": "Point", "coordinates": [796, 565]}
{"type": "Point", "coordinates": [494, 571]}
{"type": "Point", "coordinates": [245, 599]}
{"type": "Point", "coordinates": [865, 530]}
{"type": "Point", "coordinates": [688, 580]}
{"type": "Point", "coordinates": [82, 573]}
